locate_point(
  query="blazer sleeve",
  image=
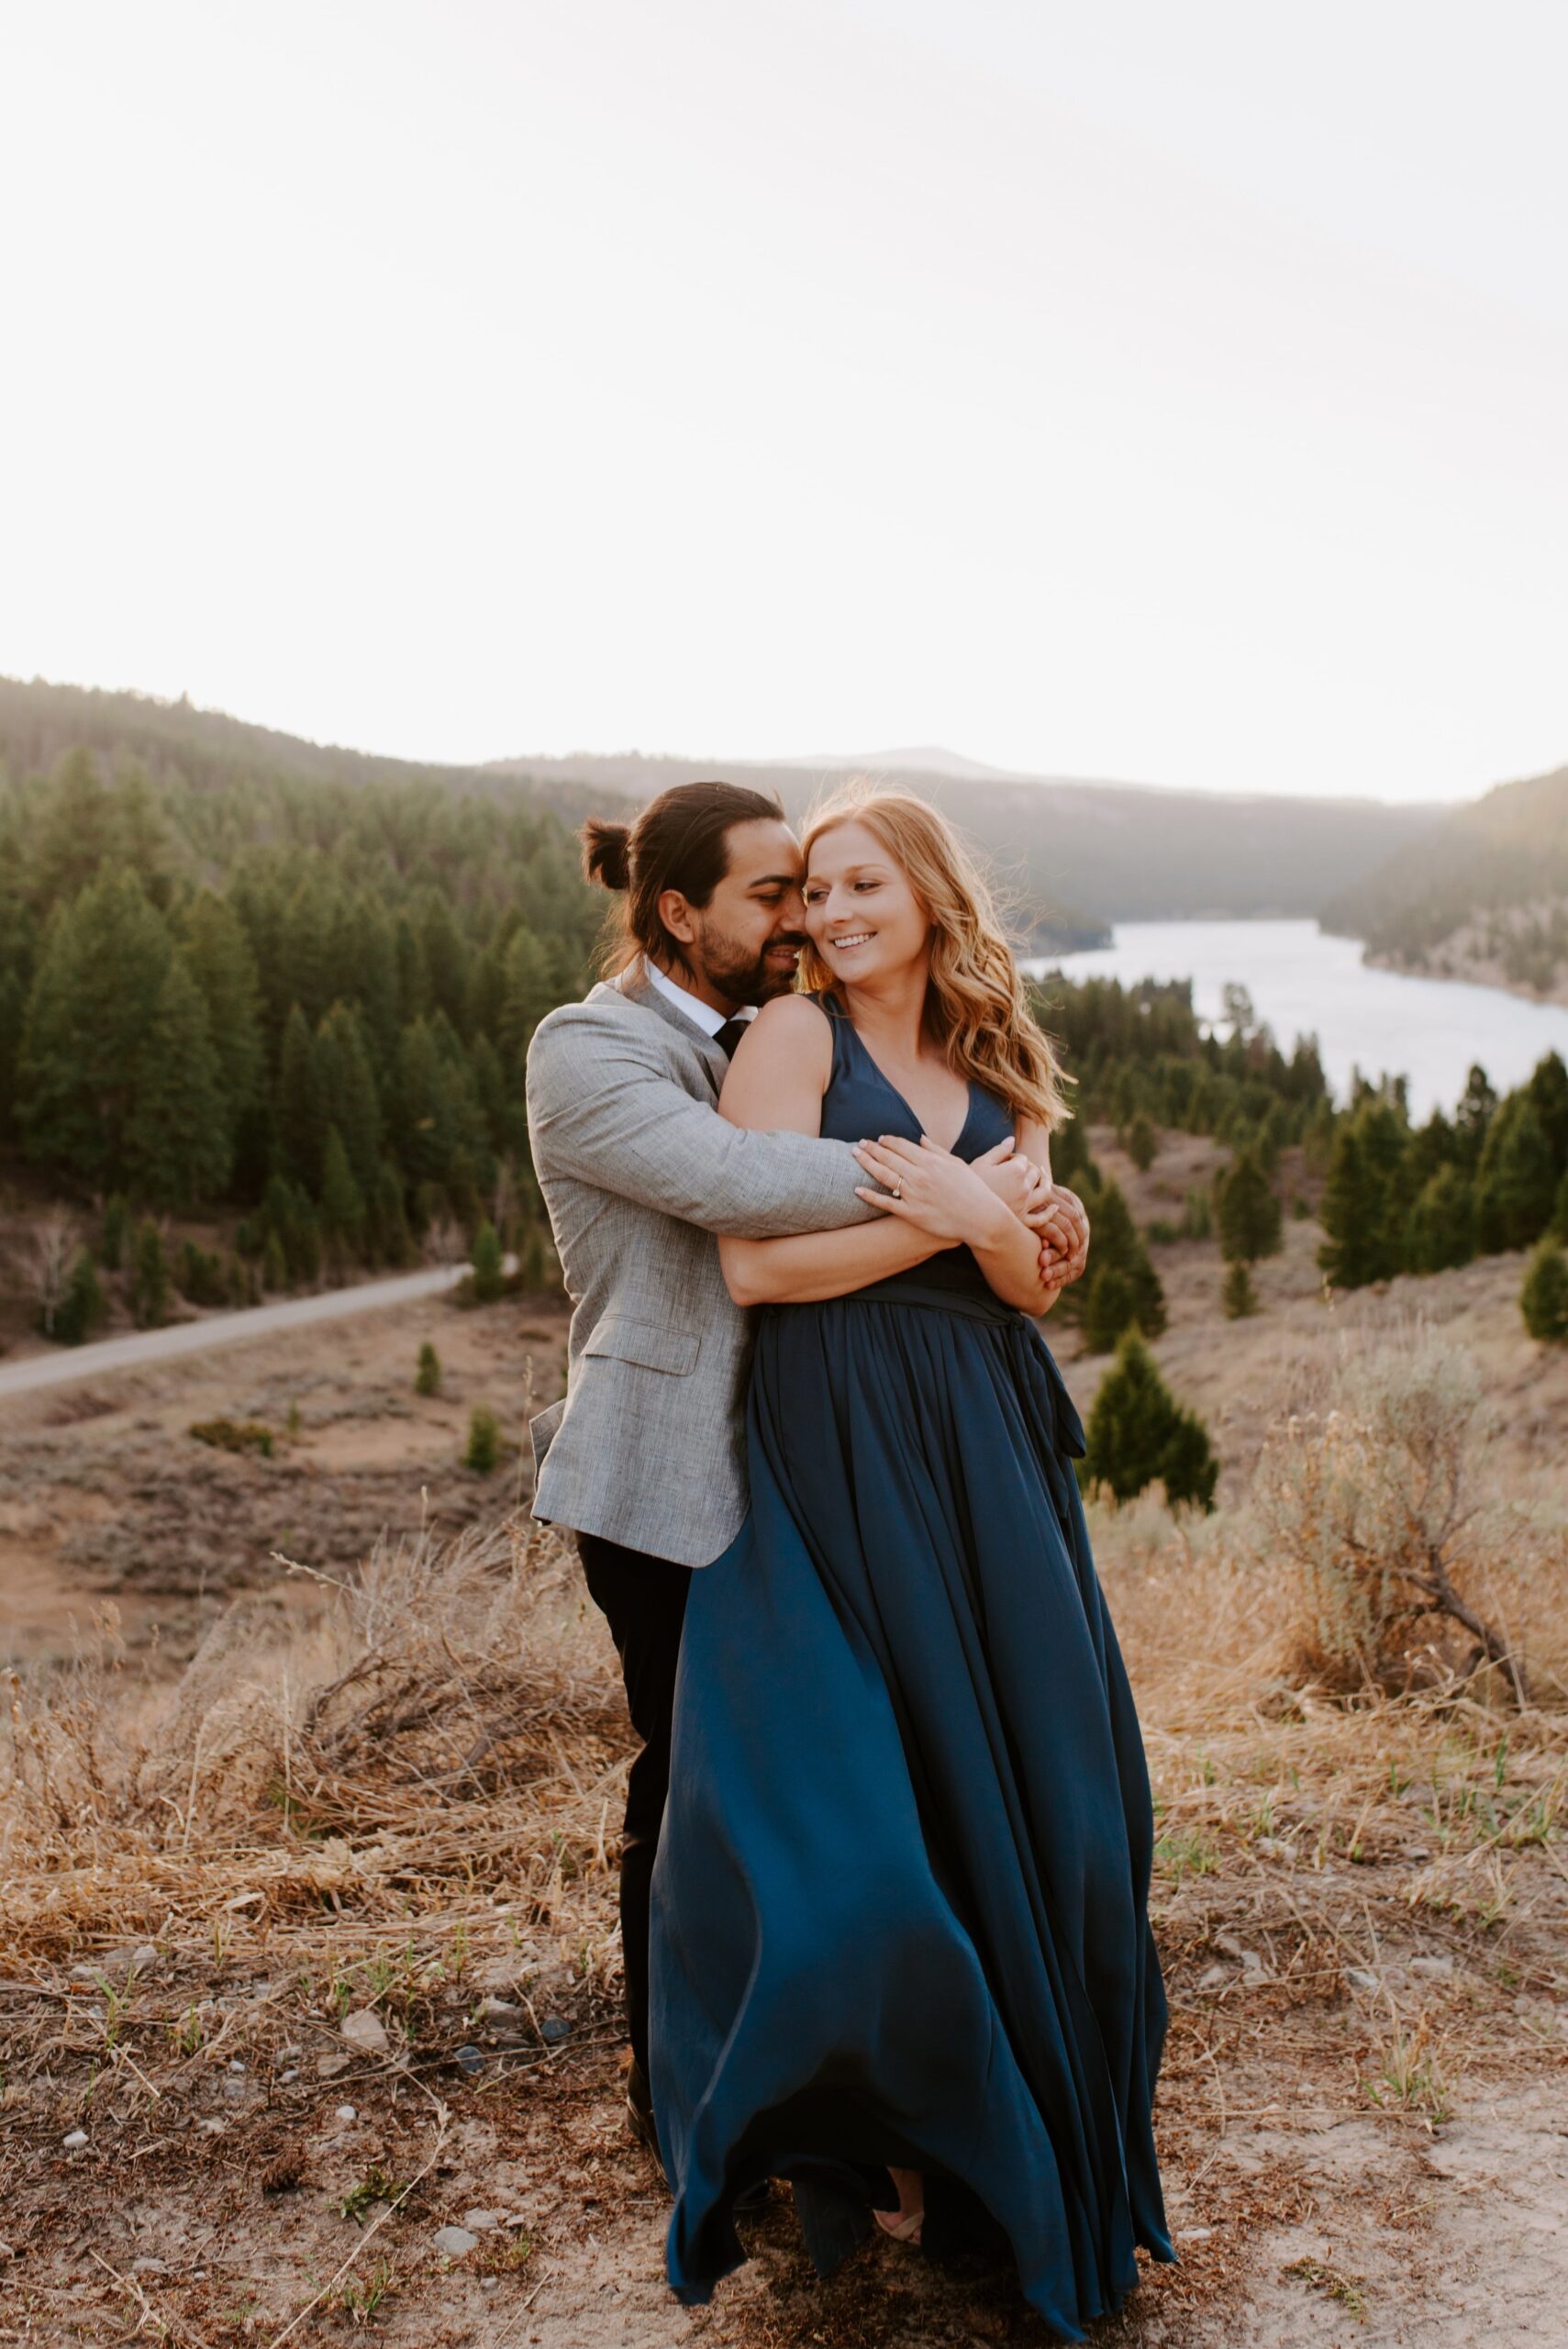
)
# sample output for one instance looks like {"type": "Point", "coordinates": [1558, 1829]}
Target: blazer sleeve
{"type": "Point", "coordinates": [602, 1107]}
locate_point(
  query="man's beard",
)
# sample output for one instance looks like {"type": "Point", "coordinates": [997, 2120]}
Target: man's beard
{"type": "Point", "coordinates": [741, 977]}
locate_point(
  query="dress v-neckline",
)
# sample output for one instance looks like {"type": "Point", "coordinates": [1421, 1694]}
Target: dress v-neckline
{"type": "Point", "coordinates": [903, 1100]}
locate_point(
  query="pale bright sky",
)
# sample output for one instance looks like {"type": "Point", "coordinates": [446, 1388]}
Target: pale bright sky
{"type": "Point", "coordinates": [1168, 393]}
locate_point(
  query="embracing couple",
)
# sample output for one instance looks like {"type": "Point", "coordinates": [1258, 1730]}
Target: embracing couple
{"type": "Point", "coordinates": [886, 1872]}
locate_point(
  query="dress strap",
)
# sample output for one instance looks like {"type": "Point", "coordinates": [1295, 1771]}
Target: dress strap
{"type": "Point", "coordinates": [843, 1032]}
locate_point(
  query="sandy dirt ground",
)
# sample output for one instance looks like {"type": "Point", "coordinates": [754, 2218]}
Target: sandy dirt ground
{"type": "Point", "coordinates": [107, 1496]}
{"type": "Point", "coordinates": [1362, 2118]}
{"type": "Point", "coordinates": [1363, 2111]}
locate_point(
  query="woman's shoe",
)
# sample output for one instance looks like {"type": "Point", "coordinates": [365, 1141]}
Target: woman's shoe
{"type": "Point", "coordinates": [902, 2229]}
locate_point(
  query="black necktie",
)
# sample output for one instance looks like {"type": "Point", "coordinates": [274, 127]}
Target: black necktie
{"type": "Point", "coordinates": [729, 1035]}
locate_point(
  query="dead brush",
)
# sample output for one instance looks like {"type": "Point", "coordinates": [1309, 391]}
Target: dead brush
{"type": "Point", "coordinates": [448, 1733]}
{"type": "Point", "coordinates": [1317, 1830]}
{"type": "Point", "coordinates": [1402, 1565]}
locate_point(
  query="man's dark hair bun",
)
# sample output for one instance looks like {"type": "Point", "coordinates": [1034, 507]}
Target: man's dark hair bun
{"type": "Point", "coordinates": [605, 852]}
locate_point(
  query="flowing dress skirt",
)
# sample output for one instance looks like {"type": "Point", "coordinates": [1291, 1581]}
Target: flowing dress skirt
{"type": "Point", "coordinates": [901, 1899]}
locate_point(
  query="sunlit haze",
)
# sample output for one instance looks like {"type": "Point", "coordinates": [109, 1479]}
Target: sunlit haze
{"type": "Point", "coordinates": [1168, 393]}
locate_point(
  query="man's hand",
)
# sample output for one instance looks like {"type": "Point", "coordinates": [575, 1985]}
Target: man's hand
{"type": "Point", "coordinates": [1056, 1213]}
{"type": "Point", "coordinates": [1015, 1180]}
{"type": "Point", "coordinates": [1062, 1224]}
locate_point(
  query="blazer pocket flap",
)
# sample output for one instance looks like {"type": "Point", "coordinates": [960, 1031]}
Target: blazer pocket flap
{"type": "Point", "coordinates": [542, 1429]}
{"type": "Point", "coordinates": [647, 1344]}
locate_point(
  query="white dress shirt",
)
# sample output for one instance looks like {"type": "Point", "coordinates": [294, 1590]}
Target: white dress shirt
{"type": "Point", "coordinates": [707, 1020]}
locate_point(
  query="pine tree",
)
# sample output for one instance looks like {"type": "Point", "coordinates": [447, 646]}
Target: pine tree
{"type": "Point", "coordinates": [1317, 1139]}
{"type": "Point", "coordinates": [93, 1000]}
{"type": "Point", "coordinates": [413, 979]}
{"type": "Point", "coordinates": [1515, 1187]}
{"type": "Point", "coordinates": [71, 831]}
{"type": "Point", "coordinates": [308, 1242]}
{"type": "Point", "coordinates": [1248, 1211]}
{"type": "Point", "coordinates": [1353, 1214]}
{"type": "Point", "coordinates": [1111, 1308]}
{"type": "Point", "coordinates": [489, 1271]}
{"type": "Point", "coordinates": [274, 1266]}
{"type": "Point", "coordinates": [446, 957]}
{"type": "Point", "coordinates": [463, 1190]}
{"type": "Point", "coordinates": [1137, 1435]}
{"type": "Point", "coordinates": [530, 991]}
{"type": "Point", "coordinates": [1440, 1230]}
{"type": "Point", "coordinates": [1239, 1298]}
{"type": "Point", "coordinates": [202, 1277]}
{"type": "Point", "coordinates": [176, 1138]}
{"type": "Point", "coordinates": [16, 969]}
{"type": "Point", "coordinates": [342, 1203]}
{"type": "Point", "coordinates": [1472, 1118]}
{"type": "Point", "coordinates": [1543, 1300]}
{"type": "Point", "coordinates": [1115, 1245]}
{"type": "Point", "coordinates": [1560, 1211]}
{"type": "Point", "coordinates": [423, 1127]}
{"type": "Point", "coordinates": [138, 838]}
{"type": "Point", "coordinates": [373, 958]}
{"type": "Point", "coordinates": [483, 1441]}
{"type": "Point", "coordinates": [81, 1307]}
{"type": "Point", "coordinates": [148, 1277]}
{"type": "Point", "coordinates": [306, 944]}
{"type": "Point", "coordinates": [427, 1371]}
{"type": "Point", "coordinates": [115, 1235]}
{"type": "Point", "coordinates": [533, 1269]}
{"type": "Point", "coordinates": [1142, 1143]}
{"type": "Point", "coordinates": [386, 1219]}
{"type": "Point", "coordinates": [1547, 1091]}
{"type": "Point", "coordinates": [225, 970]}
{"type": "Point", "coordinates": [505, 1116]}
{"type": "Point", "coordinates": [484, 992]}
{"type": "Point", "coordinates": [299, 1115]}
{"type": "Point", "coordinates": [290, 1219]}
{"type": "Point", "coordinates": [349, 1088]}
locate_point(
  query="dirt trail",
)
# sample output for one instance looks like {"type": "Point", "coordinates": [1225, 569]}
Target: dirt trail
{"type": "Point", "coordinates": [64, 1367]}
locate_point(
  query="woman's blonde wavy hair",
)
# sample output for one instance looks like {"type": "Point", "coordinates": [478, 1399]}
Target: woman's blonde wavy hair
{"type": "Point", "coordinates": [976, 1008]}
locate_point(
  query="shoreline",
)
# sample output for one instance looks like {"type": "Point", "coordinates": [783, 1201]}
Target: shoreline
{"type": "Point", "coordinates": [1481, 974]}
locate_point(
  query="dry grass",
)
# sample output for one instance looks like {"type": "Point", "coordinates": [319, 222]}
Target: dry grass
{"type": "Point", "coordinates": [408, 1802]}
{"type": "Point", "coordinates": [448, 1715]}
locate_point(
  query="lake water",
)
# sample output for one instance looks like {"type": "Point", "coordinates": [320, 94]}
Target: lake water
{"type": "Point", "coordinates": [1301, 982]}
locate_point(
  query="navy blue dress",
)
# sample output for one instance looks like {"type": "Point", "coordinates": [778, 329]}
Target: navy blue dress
{"type": "Point", "coordinates": [900, 1907]}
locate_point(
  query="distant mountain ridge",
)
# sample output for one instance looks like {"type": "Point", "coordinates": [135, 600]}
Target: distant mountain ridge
{"type": "Point", "coordinates": [929, 760]}
{"type": "Point", "coordinates": [1483, 896]}
{"type": "Point", "coordinates": [1077, 856]}
{"type": "Point", "coordinates": [1071, 856]}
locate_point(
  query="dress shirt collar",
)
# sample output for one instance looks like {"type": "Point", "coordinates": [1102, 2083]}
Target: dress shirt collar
{"type": "Point", "coordinates": [693, 1005]}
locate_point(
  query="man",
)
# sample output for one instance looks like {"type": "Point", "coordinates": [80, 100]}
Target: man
{"type": "Point", "coordinates": [645, 1458]}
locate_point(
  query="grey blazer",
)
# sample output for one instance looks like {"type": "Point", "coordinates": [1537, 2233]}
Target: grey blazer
{"type": "Point", "coordinates": [639, 1172]}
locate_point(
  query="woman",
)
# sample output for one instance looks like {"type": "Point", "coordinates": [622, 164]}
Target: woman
{"type": "Point", "coordinates": [901, 1947]}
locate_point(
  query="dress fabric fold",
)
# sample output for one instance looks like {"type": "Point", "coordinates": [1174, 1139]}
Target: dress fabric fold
{"type": "Point", "coordinates": [900, 1907]}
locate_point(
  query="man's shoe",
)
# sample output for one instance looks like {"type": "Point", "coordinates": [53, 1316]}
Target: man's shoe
{"type": "Point", "coordinates": [639, 2113]}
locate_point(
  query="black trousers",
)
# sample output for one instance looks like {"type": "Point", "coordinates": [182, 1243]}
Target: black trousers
{"type": "Point", "coordinates": [644, 1601]}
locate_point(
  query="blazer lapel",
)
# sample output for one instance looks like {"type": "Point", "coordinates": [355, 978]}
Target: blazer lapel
{"type": "Point", "coordinates": [636, 987]}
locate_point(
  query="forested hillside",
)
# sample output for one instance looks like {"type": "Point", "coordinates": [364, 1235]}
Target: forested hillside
{"type": "Point", "coordinates": [300, 989]}
{"type": "Point", "coordinates": [1483, 896]}
{"type": "Point", "coordinates": [1080, 856]}
{"type": "Point", "coordinates": [281, 997]}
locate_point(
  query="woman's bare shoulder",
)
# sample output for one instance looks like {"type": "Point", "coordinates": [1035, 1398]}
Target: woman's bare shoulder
{"type": "Point", "coordinates": [790, 1023]}
{"type": "Point", "coordinates": [803, 1013]}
